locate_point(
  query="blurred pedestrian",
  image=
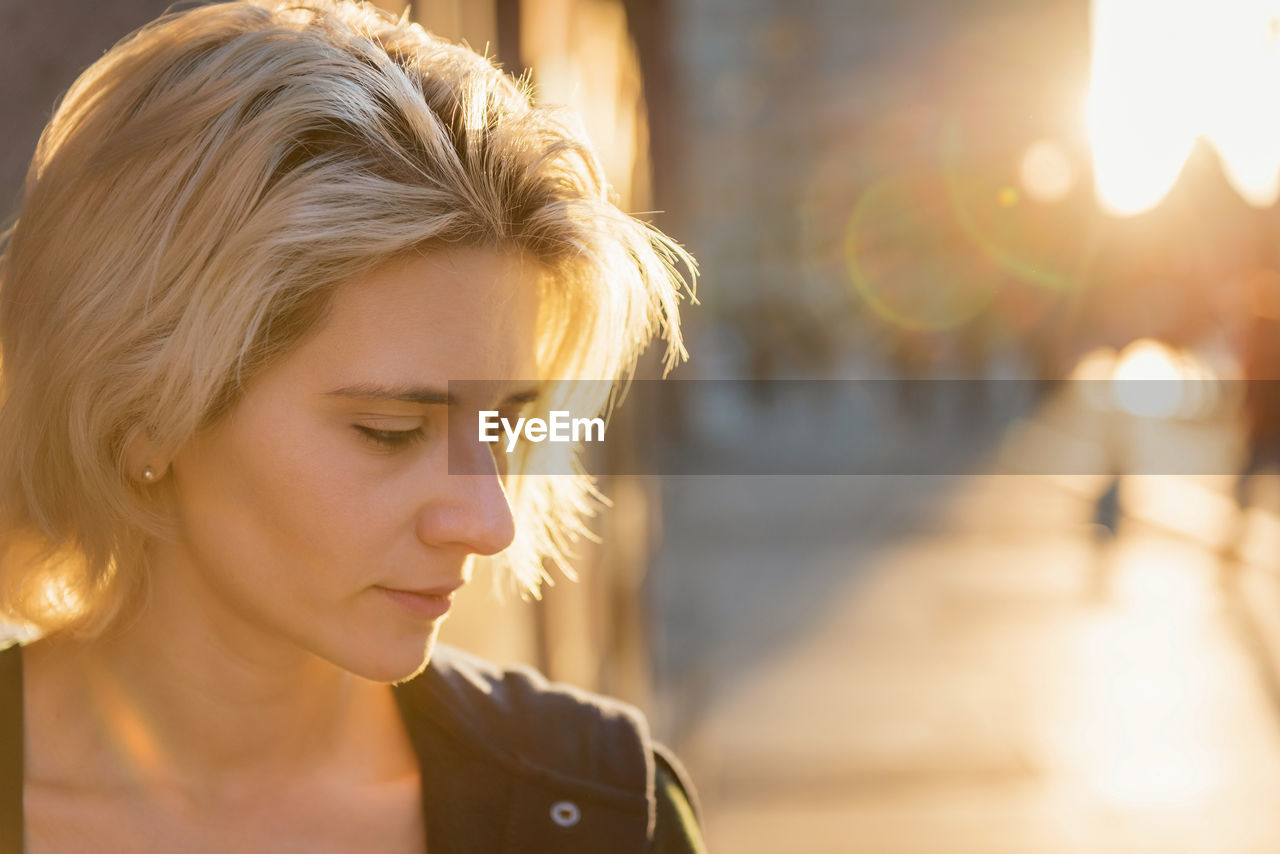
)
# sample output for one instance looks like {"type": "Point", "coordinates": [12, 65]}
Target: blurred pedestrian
{"type": "Point", "coordinates": [1260, 367]}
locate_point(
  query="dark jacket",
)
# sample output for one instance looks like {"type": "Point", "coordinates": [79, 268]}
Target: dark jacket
{"type": "Point", "coordinates": [510, 763]}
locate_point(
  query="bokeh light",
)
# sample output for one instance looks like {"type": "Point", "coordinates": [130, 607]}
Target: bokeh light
{"type": "Point", "coordinates": [1146, 380]}
{"type": "Point", "coordinates": [1045, 172]}
{"type": "Point", "coordinates": [1153, 380]}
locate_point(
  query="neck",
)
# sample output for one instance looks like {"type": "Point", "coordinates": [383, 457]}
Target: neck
{"type": "Point", "coordinates": [183, 696]}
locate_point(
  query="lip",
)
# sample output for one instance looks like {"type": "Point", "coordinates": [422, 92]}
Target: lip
{"type": "Point", "coordinates": [430, 603]}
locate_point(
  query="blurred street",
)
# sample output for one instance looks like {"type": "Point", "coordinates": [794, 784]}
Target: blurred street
{"type": "Point", "coordinates": [967, 664]}
{"type": "Point", "coordinates": [1027, 663]}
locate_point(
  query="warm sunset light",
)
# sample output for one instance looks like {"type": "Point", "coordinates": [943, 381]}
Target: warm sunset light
{"type": "Point", "coordinates": [1165, 74]}
{"type": "Point", "coordinates": [1045, 171]}
{"type": "Point", "coordinates": [1150, 379]}
{"type": "Point", "coordinates": [1147, 380]}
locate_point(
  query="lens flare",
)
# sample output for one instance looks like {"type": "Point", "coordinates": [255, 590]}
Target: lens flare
{"type": "Point", "coordinates": [1021, 216]}
{"type": "Point", "coordinates": [910, 260]}
{"type": "Point", "coordinates": [1045, 172]}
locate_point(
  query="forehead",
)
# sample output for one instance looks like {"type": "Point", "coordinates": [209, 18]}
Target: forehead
{"type": "Point", "coordinates": [455, 314]}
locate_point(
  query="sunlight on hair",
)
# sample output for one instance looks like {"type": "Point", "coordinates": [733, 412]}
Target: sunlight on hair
{"type": "Point", "coordinates": [61, 598]}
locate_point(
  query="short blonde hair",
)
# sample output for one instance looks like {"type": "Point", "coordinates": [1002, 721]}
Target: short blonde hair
{"type": "Point", "coordinates": [191, 206]}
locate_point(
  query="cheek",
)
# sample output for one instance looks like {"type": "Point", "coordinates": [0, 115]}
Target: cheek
{"type": "Point", "coordinates": [319, 495]}
{"type": "Point", "coordinates": [275, 499]}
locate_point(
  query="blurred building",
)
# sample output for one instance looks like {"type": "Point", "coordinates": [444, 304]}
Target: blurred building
{"type": "Point", "coordinates": [908, 189]}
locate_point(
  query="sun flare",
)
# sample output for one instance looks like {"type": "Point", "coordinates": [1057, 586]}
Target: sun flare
{"type": "Point", "coordinates": [1164, 74]}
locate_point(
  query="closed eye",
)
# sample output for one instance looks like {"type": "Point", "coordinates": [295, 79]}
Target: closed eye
{"type": "Point", "coordinates": [390, 440]}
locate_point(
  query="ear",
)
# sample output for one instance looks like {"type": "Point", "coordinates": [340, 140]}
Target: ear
{"type": "Point", "coordinates": [143, 460]}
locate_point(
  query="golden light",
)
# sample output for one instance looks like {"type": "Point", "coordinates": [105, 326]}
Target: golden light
{"type": "Point", "coordinates": [1147, 380]}
{"type": "Point", "coordinates": [1133, 713]}
{"type": "Point", "coordinates": [1045, 172]}
{"type": "Point", "coordinates": [1164, 74]}
{"type": "Point", "coordinates": [1126, 750]}
{"type": "Point", "coordinates": [1091, 374]}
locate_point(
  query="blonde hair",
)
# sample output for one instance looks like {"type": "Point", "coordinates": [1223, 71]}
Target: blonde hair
{"type": "Point", "coordinates": [191, 206]}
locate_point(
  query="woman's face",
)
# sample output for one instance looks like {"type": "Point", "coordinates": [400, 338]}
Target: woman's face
{"type": "Point", "coordinates": [312, 510]}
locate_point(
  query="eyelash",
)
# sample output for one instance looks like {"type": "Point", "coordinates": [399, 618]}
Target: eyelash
{"type": "Point", "coordinates": [396, 440]}
{"type": "Point", "coordinates": [391, 440]}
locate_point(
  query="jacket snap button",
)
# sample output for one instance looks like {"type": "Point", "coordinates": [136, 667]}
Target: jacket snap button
{"type": "Point", "coordinates": [565, 813]}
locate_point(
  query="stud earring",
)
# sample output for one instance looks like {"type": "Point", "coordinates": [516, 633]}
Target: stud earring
{"type": "Point", "coordinates": [149, 475]}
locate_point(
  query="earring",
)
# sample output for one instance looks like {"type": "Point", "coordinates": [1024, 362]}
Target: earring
{"type": "Point", "coordinates": [149, 475]}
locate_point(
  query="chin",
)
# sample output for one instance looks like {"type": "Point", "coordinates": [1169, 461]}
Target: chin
{"type": "Point", "coordinates": [390, 660]}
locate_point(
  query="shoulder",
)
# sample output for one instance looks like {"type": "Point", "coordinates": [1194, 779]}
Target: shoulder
{"type": "Point", "coordinates": [514, 715]}
{"type": "Point", "coordinates": [508, 734]}
{"type": "Point", "coordinates": [676, 829]}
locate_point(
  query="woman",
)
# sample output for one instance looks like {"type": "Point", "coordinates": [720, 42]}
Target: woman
{"type": "Point", "coordinates": [237, 489]}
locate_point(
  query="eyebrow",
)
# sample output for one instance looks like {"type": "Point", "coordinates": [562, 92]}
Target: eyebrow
{"type": "Point", "coordinates": [421, 394]}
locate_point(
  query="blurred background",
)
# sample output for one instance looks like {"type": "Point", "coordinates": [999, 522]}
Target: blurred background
{"type": "Point", "coordinates": [1077, 658]}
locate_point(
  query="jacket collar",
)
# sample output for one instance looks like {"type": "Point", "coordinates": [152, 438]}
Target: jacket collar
{"type": "Point", "coordinates": [540, 766]}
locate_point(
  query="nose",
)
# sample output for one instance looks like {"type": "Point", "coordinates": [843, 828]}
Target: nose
{"type": "Point", "coordinates": [469, 509]}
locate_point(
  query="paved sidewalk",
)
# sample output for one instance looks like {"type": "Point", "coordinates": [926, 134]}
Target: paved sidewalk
{"type": "Point", "coordinates": [959, 664]}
